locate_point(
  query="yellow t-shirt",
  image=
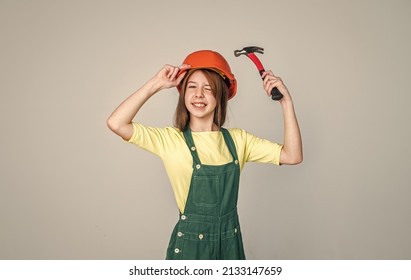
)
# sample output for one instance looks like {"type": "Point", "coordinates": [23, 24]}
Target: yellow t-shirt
{"type": "Point", "coordinates": [169, 144]}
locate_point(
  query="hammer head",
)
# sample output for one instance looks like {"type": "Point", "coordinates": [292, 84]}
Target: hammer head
{"type": "Point", "coordinates": [247, 50]}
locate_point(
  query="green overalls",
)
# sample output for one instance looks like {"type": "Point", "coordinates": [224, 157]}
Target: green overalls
{"type": "Point", "coordinates": [209, 228]}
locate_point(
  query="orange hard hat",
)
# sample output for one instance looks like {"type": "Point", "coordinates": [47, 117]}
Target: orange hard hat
{"type": "Point", "coordinates": [207, 59]}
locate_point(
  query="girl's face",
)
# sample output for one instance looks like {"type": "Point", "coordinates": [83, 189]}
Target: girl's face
{"type": "Point", "coordinates": [199, 98]}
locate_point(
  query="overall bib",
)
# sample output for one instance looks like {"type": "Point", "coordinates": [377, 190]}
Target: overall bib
{"type": "Point", "coordinates": [209, 227]}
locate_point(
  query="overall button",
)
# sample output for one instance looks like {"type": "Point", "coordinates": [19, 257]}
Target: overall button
{"type": "Point", "coordinates": [236, 161]}
{"type": "Point", "coordinates": [183, 217]}
{"type": "Point", "coordinates": [201, 236]}
{"type": "Point", "coordinates": [235, 230]}
{"type": "Point", "coordinates": [198, 166]}
{"type": "Point", "coordinates": [193, 148]}
{"type": "Point", "coordinates": [176, 250]}
{"type": "Point", "coordinates": [179, 234]}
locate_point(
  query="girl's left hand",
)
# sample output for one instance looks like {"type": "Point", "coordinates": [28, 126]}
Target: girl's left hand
{"type": "Point", "coordinates": [270, 81]}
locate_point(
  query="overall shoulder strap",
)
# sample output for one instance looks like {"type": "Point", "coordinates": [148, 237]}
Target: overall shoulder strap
{"type": "Point", "coordinates": [191, 146]}
{"type": "Point", "coordinates": [230, 143]}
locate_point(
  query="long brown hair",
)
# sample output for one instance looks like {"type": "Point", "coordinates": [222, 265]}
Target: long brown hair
{"type": "Point", "coordinates": [220, 91]}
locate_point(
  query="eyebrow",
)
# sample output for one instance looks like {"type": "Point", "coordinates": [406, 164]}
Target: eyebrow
{"type": "Point", "coordinates": [197, 83]}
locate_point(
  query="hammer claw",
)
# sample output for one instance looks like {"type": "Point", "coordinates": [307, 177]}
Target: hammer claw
{"type": "Point", "coordinates": [247, 50]}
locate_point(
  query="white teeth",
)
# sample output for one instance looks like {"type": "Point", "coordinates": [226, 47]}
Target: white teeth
{"type": "Point", "coordinates": [199, 105]}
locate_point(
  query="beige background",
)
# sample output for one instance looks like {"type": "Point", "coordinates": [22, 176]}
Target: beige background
{"type": "Point", "coordinates": [70, 189]}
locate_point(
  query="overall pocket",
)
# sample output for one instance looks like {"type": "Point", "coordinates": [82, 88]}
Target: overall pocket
{"type": "Point", "coordinates": [206, 192]}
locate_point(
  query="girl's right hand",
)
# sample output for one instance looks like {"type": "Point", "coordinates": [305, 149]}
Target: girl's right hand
{"type": "Point", "coordinates": [167, 76]}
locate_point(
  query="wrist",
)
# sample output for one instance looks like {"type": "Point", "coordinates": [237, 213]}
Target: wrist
{"type": "Point", "coordinates": [286, 101]}
{"type": "Point", "coordinates": [152, 87]}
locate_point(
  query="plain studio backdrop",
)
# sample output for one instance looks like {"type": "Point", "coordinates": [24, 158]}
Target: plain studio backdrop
{"type": "Point", "coordinates": [71, 189]}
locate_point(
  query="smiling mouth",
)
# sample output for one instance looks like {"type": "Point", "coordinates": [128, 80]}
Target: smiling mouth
{"type": "Point", "coordinates": [199, 105]}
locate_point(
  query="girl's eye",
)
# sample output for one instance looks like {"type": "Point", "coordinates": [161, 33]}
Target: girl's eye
{"type": "Point", "coordinates": [207, 89]}
{"type": "Point", "coordinates": [191, 86]}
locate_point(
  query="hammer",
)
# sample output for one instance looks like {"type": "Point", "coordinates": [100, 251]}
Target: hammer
{"type": "Point", "coordinates": [249, 51]}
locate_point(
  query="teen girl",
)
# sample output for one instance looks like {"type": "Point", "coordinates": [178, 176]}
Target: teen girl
{"type": "Point", "coordinates": [203, 160]}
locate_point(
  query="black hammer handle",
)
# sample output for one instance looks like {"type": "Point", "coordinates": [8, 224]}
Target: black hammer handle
{"type": "Point", "coordinates": [275, 93]}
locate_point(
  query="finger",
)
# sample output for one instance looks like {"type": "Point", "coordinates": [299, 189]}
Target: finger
{"type": "Point", "coordinates": [183, 69]}
{"type": "Point", "coordinates": [280, 86]}
{"type": "Point", "coordinates": [185, 66]}
{"type": "Point", "coordinates": [272, 83]}
{"type": "Point", "coordinates": [173, 70]}
{"type": "Point", "coordinates": [270, 76]}
{"type": "Point", "coordinates": [180, 77]}
{"type": "Point", "coordinates": [267, 73]}
{"type": "Point", "coordinates": [168, 70]}
{"type": "Point", "coordinates": [269, 80]}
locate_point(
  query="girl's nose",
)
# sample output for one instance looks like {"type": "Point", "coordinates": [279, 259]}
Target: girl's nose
{"type": "Point", "coordinates": [199, 92]}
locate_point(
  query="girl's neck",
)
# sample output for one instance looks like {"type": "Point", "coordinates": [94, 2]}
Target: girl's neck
{"type": "Point", "coordinates": [203, 127]}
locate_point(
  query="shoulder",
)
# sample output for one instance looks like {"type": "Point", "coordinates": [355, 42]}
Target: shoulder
{"type": "Point", "coordinates": [157, 130]}
{"type": "Point", "coordinates": [238, 133]}
{"type": "Point", "coordinates": [160, 141]}
{"type": "Point", "coordinates": [234, 131]}
{"type": "Point", "coordinates": [142, 133]}
{"type": "Point", "coordinates": [172, 131]}
{"type": "Point", "coordinates": [240, 136]}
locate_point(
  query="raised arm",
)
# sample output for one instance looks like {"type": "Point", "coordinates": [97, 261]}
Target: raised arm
{"type": "Point", "coordinates": [292, 152]}
{"type": "Point", "coordinates": [120, 121]}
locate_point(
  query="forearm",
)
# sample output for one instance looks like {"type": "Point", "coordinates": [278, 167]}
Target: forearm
{"type": "Point", "coordinates": [120, 121]}
{"type": "Point", "coordinates": [292, 152]}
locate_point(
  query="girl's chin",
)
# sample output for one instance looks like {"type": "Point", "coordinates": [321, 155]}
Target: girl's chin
{"type": "Point", "coordinates": [200, 114]}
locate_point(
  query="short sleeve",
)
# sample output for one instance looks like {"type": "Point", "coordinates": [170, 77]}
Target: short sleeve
{"type": "Point", "coordinates": [257, 149]}
{"type": "Point", "coordinates": [153, 139]}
